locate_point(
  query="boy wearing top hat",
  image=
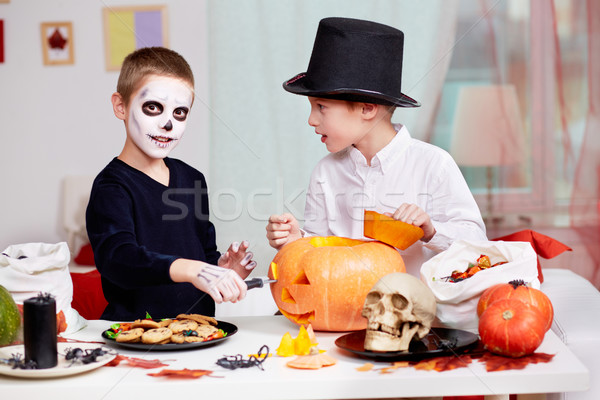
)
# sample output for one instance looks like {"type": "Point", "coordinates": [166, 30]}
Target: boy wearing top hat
{"type": "Point", "coordinates": [353, 84]}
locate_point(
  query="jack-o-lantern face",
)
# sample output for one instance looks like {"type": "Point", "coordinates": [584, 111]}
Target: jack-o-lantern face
{"type": "Point", "coordinates": [324, 280]}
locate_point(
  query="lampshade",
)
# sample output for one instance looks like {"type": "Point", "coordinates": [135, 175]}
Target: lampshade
{"type": "Point", "coordinates": [487, 128]}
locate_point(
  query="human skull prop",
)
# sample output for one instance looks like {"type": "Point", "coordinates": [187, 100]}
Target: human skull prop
{"type": "Point", "coordinates": [398, 308]}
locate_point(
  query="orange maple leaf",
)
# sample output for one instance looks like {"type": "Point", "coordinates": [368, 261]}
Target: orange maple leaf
{"type": "Point", "coordinates": [500, 363]}
{"type": "Point", "coordinates": [61, 322]}
{"type": "Point", "coordinates": [182, 373]}
{"type": "Point", "coordinates": [395, 365]}
{"type": "Point", "coordinates": [136, 362]}
{"type": "Point", "coordinates": [365, 367]}
{"type": "Point", "coordinates": [441, 364]}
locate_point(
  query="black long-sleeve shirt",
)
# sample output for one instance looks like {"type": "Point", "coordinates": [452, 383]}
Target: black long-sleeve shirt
{"type": "Point", "coordinates": [138, 227]}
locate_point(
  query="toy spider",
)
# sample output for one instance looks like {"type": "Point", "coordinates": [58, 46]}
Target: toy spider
{"type": "Point", "coordinates": [17, 362]}
{"type": "Point", "coordinates": [84, 356]}
{"type": "Point", "coordinates": [445, 344]}
{"type": "Point", "coordinates": [234, 362]}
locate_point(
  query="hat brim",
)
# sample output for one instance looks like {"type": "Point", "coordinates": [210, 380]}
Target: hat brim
{"type": "Point", "coordinates": [296, 85]}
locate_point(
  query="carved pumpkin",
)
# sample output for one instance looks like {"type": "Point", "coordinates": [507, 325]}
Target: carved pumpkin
{"type": "Point", "coordinates": [518, 290]}
{"type": "Point", "coordinates": [324, 280]}
{"type": "Point", "coordinates": [512, 328]}
{"type": "Point", "coordinates": [391, 231]}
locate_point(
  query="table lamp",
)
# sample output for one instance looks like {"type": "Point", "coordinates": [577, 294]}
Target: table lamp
{"type": "Point", "coordinates": [487, 131]}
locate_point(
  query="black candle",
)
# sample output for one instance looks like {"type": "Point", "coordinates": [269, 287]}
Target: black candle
{"type": "Point", "coordinates": [39, 331]}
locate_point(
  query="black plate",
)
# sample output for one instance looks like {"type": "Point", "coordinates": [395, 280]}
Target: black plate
{"type": "Point", "coordinates": [438, 342]}
{"type": "Point", "coordinates": [229, 328]}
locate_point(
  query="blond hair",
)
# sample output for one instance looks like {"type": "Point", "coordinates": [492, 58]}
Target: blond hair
{"type": "Point", "coordinates": [352, 105]}
{"type": "Point", "coordinates": [151, 61]}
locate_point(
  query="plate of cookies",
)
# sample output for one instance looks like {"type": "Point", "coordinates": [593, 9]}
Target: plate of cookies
{"type": "Point", "coordinates": [186, 331]}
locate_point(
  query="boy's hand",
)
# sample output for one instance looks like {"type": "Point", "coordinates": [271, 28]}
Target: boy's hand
{"type": "Point", "coordinates": [282, 229]}
{"type": "Point", "coordinates": [221, 284]}
{"type": "Point", "coordinates": [413, 214]}
{"type": "Point", "coordinates": [238, 259]}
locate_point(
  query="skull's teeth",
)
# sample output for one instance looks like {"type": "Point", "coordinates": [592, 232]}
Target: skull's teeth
{"type": "Point", "coordinates": [386, 329]}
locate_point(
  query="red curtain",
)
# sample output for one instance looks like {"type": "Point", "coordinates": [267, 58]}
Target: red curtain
{"type": "Point", "coordinates": [585, 204]}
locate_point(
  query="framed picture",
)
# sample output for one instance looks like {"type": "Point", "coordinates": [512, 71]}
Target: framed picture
{"type": "Point", "coordinates": [1, 40]}
{"type": "Point", "coordinates": [57, 43]}
{"type": "Point", "coordinates": [130, 28]}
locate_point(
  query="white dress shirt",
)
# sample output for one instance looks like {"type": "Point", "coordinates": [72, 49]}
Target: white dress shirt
{"type": "Point", "coordinates": [407, 170]}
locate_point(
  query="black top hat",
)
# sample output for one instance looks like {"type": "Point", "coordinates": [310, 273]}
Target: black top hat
{"type": "Point", "coordinates": [354, 60]}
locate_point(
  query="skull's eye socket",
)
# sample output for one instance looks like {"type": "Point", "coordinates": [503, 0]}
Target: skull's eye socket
{"type": "Point", "coordinates": [373, 298]}
{"type": "Point", "coordinates": [399, 301]}
{"type": "Point", "coordinates": [152, 108]}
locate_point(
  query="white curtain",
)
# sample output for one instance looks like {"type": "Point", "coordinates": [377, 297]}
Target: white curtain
{"type": "Point", "coordinates": [262, 149]}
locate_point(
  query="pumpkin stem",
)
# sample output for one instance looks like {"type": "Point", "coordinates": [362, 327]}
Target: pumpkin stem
{"type": "Point", "coordinates": [516, 283]}
{"type": "Point", "coordinates": [507, 315]}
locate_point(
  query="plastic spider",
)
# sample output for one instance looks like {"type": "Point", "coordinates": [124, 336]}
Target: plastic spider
{"type": "Point", "coordinates": [237, 361]}
{"type": "Point", "coordinates": [18, 362]}
{"type": "Point", "coordinates": [84, 356]}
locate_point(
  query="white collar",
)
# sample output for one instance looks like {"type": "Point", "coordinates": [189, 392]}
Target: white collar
{"type": "Point", "coordinates": [384, 157]}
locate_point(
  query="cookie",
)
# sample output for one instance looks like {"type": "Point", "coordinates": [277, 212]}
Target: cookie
{"type": "Point", "coordinates": [157, 336]}
{"type": "Point", "coordinates": [205, 331]}
{"type": "Point", "coordinates": [183, 325]}
{"type": "Point", "coordinates": [186, 337]}
{"type": "Point", "coordinates": [164, 322]}
{"type": "Point", "coordinates": [145, 324]}
{"type": "Point", "coordinates": [200, 319]}
{"type": "Point", "coordinates": [133, 335]}
{"type": "Point", "coordinates": [178, 338]}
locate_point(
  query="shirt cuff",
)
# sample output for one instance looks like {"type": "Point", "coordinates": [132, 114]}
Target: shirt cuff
{"type": "Point", "coordinates": [440, 241]}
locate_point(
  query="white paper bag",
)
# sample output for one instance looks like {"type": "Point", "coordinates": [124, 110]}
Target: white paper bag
{"type": "Point", "coordinates": [30, 268]}
{"type": "Point", "coordinates": [457, 301]}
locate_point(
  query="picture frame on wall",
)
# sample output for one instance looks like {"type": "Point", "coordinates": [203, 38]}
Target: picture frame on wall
{"type": "Point", "coordinates": [129, 28]}
{"type": "Point", "coordinates": [1, 41]}
{"type": "Point", "coordinates": [57, 43]}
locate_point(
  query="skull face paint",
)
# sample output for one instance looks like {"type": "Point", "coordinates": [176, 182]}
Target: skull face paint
{"type": "Point", "coordinates": [398, 308]}
{"type": "Point", "coordinates": [158, 115]}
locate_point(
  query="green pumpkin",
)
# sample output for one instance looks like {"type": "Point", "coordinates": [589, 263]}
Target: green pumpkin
{"type": "Point", "coordinates": [10, 318]}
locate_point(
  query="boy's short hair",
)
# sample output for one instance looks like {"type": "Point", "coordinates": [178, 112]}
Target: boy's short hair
{"type": "Point", "coordinates": [151, 61]}
{"type": "Point", "coordinates": [352, 106]}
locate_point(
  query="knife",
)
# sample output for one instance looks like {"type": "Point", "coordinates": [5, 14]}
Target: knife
{"type": "Point", "coordinates": [258, 282]}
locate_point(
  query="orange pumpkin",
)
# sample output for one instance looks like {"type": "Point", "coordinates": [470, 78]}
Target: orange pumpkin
{"type": "Point", "coordinates": [486, 298]}
{"type": "Point", "coordinates": [391, 231]}
{"type": "Point", "coordinates": [512, 328]}
{"type": "Point", "coordinates": [324, 280]}
{"type": "Point", "coordinates": [517, 290]}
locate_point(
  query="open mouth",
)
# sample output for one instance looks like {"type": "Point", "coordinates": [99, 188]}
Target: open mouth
{"type": "Point", "coordinates": [161, 141]}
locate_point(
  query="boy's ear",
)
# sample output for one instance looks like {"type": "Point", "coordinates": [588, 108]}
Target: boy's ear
{"type": "Point", "coordinates": [119, 106]}
{"type": "Point", "coordinates": [369, 110]}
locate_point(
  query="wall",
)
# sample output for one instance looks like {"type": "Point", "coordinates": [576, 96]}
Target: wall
{"type": "Point", "coordinates": [57, 121]}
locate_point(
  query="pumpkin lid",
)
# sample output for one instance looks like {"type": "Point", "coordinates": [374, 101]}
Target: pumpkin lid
{"type": "Point", "coordinates": [390, 231]}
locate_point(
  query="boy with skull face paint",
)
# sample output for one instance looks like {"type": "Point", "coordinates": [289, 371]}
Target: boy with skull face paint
{"type": "Point", "coordinates": [147, 218]}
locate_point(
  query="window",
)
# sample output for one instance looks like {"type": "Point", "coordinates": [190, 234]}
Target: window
{"type": "Point", "coordinates": [510, 43]}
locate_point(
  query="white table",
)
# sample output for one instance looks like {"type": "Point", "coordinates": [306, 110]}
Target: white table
{"type": "Point", "coordinates": [564, 373]}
